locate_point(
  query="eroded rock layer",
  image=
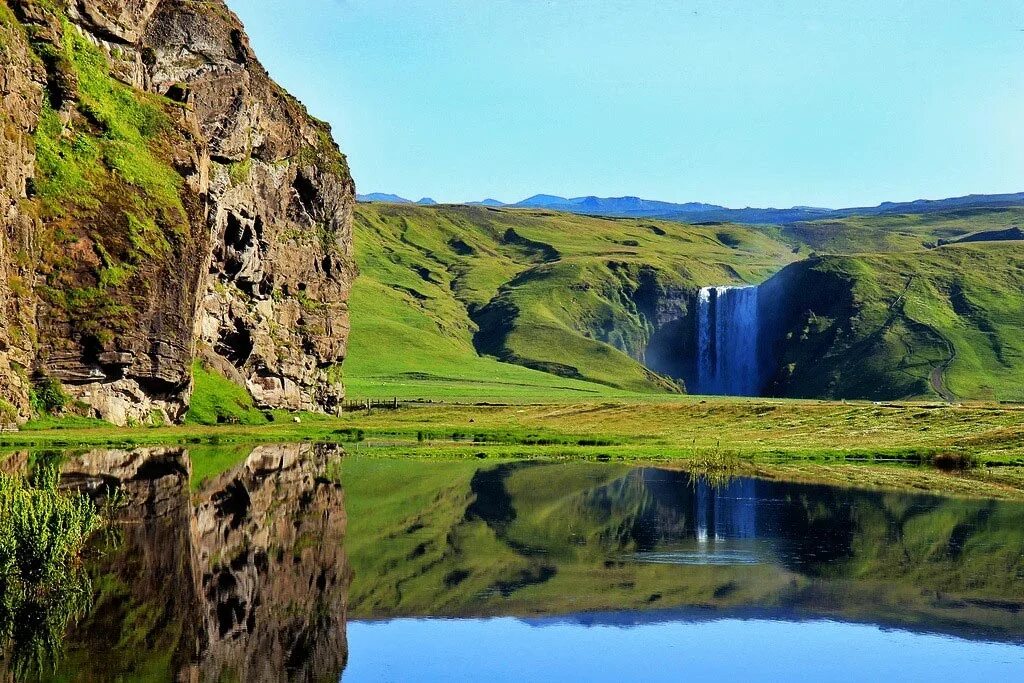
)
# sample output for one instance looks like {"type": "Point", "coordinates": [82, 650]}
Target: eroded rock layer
{"type": "Point", "coordinates": [163, 200]}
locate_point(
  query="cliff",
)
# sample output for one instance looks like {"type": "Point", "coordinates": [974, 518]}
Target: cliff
{"type": "Point", "coordinates": [163, 200]}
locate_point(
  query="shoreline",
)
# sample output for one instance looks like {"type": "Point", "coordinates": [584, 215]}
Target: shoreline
{"type": "Point", "coordinates": [974, 449]}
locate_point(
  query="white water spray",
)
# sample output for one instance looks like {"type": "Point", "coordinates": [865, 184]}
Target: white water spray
{"type": "Point", "coordinates": [727, 341]}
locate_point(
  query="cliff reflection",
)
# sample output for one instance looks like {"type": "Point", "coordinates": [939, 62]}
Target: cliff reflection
{"type": "Point", "coordinates": [244, 579]}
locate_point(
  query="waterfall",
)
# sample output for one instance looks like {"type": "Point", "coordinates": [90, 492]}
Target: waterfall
{"type": "Point", "coordinates": [727, 341]}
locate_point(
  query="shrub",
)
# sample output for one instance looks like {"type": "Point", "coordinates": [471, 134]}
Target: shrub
{"type": "Point", "coordinates": [8, 413]}
{"type": "Point", "coordinates": [48, 396]}
{"type": "Point", "coordinates": [43, 586]}
{"type": "Point", "coordinates": [953, 462]}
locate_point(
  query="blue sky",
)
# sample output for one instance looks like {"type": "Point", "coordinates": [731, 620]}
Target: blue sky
{"type": "Point", "coordinates": [739, 103]}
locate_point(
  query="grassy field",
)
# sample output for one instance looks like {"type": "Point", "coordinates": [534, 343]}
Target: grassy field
{"type": "Point", "coordinates": [783, 436]}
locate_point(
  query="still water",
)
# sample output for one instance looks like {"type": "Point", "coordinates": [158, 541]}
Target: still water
{"type": "Point", "coordinates": [296, 562]}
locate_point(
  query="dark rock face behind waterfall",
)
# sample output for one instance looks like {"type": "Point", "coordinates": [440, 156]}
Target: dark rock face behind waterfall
{"type": "Point", "coordinates": [717, 340]}
{"type": "Point", "coordinates": [162, 199]}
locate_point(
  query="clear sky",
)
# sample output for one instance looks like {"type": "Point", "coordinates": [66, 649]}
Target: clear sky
{"type": "Point", "coordinates": [745, 102]}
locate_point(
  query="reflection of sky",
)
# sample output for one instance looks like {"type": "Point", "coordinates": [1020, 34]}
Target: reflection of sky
{"type": "Point", "coordinates": [508, 649]}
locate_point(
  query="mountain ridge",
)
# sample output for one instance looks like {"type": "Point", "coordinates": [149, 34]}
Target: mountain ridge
{"type": "Point", "coordinates": [637, 207]}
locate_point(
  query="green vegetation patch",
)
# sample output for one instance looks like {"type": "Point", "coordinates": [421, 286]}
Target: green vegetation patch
{"type": "Point", "coordinates": [218, 400]}
{"type": "Point", "coordinates": [43, 587]}
{"type": "Point", "coordinates": [109, 194]}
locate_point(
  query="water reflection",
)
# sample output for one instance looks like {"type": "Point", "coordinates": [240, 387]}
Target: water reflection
{"type": "Point", "coordinates": [548, 539]}
{"type": "Point", "coordinates": [256, 563]}
{"type": "Point", "coordinates": [243, 579]}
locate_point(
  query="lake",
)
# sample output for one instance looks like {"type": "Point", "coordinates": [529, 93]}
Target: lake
{"type": "Point", "coordinates": [298, 562]}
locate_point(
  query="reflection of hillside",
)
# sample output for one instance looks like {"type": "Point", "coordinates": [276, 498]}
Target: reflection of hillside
{"type": "Point", "coordinates": [243, 580]}
{"type": "Point", "coordinates": [568, 538]}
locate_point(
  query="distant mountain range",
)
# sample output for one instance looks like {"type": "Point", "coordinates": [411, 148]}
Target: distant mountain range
{"type": "Point", "coordinates": [386, 198]}
{"type": "Point", "coordinates": [697, 212]}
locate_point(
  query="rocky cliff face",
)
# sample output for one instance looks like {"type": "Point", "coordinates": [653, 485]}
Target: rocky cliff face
{"type": "Point", "coordinates": [165, 201]}
{"type": "Point", "coordinates": [21, 79]}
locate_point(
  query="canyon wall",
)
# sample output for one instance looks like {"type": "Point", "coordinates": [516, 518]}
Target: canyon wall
{"type": "Point", "coordinates": [163, 201]}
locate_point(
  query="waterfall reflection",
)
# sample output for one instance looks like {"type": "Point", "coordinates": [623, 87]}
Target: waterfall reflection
{"type": "Point", "coordinates": [467, 539]}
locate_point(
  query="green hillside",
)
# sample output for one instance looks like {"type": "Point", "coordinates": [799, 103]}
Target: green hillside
{"type": "Point", "coordinates": [944, 322]}
{"type": "Point", "coordinates": [446, 292]}
{"type": "Point", "coordinates": [475, 303]}
{"type": "Point", "coordinates": [901, 232]}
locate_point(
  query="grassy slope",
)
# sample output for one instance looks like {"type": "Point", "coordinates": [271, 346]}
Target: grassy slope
{"type": "Point", "coordinates": [552, 291]}
{"type": "Point", "coordinates": [216, 400]}
{"type": "Point", "coordinates": [900, 232]}
{"type": "Point", "coordinates": [445, 291]}
{"type": "Point", "coordinates": [411, 334]}
{"type": "Point", "coordinates": [892, 322]}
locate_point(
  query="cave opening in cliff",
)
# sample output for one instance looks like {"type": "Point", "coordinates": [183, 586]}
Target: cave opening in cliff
{"type": "Point", "coordinates": [235, 343]}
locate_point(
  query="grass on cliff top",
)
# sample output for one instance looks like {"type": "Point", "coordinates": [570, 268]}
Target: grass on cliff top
{"type": "Point", "coordinates": [126, 122]}
{"type": "Point", "coordinates": [559, 288]}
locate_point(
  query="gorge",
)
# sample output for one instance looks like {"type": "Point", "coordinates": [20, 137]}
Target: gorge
{"type": "Point", "coordinates": [476, 300]}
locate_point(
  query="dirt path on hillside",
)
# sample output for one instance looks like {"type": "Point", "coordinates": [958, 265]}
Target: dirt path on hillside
{"type": "Point", "coordinates": [937, 377]}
